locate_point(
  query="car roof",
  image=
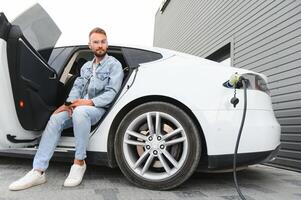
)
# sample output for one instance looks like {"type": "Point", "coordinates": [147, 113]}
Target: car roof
{"type": "Point", "coordinates": [166, 53]}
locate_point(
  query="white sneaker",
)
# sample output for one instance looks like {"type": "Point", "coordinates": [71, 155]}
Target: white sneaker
{"type": "Point", "coordinates": [31, 179]}
{"type": "Point", "coordinates": [76, 175]}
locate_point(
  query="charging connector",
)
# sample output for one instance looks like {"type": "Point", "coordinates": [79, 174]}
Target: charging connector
{"type": "Point", "coordinates": [235, 81]}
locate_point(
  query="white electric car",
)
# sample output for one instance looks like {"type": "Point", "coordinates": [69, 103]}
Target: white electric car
{"type": "Point", "coordinates": [173, 115]}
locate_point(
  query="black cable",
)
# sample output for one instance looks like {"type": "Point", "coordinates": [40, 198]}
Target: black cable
{"type": "Point", "coordinates": [238, 139]}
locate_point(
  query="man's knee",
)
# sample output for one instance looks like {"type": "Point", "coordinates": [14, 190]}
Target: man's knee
{"type": "Point", "coordinates": [80, 113]}
{"type": "Point", "coordinates": [57, 119]}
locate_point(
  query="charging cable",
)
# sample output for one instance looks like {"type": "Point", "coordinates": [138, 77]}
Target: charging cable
{"type": "Point", "coordinates": [244, 85]}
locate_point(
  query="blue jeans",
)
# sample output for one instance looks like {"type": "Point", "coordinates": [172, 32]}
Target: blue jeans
{"type": "Point", "coordinates": [82, 118]}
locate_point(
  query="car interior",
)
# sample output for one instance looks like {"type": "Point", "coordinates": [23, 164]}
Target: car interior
{"type": "Point", "coordinates": [73, 67]}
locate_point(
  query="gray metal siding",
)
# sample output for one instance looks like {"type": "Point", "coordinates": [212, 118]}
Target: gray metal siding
{"type": "Point", "coordinates": [265, 37]}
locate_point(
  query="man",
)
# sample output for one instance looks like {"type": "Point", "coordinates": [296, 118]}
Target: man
{"type": "Point", "coordinates": [99, 81]}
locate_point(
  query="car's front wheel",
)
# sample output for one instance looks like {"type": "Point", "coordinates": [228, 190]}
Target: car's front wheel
{"type": "Point", "coordinates": [157, 146]}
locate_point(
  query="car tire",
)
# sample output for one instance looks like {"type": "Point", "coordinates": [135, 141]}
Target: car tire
{"type": "Point", "coordinates": [160, 157]}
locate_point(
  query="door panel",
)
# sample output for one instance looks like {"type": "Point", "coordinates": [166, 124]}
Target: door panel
{"type": "Point", "coordinates": [36, 74]}
{"type": "Point", "coordinates": [34, 83]}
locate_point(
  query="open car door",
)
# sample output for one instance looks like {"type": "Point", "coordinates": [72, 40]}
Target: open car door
{"type": "Point", "coordinates": [34, 82]}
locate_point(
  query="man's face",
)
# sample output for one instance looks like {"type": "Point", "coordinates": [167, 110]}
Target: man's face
{"type": "Point", "coordinates": [98, 44]}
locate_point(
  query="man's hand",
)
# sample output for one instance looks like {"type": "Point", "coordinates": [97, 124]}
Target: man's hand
{"type": "Point", "coordinates": [75, 103]}
{"type": "Point", "coordinates": [82, 102]}
{"type": "Point", "coordinates": [64, 108]}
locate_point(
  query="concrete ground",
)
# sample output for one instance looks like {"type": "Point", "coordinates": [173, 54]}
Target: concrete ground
{"type": "Point", "coordinates": [102, 183]}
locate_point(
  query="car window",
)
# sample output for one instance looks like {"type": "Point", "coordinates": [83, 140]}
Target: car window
{"type": "Point", "coordinates": [38, 28]}
{"type": "Point", "coordinates": [135, 57]}
{"type": "Point", "coordinates": [59, 57]}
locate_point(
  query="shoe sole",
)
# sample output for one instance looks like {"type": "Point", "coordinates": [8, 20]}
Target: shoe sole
{"type": "Point", "coordinates": [27, 186]}
{"type": "Point", "coordinates": [73, 185]}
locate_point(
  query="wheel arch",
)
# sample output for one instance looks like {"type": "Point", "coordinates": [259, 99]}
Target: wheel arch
{"type": "Point", "coordinates": [114, 126]}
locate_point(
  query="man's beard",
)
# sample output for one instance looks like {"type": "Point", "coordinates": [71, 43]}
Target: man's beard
{"type": "Point", "coordinates": [100, 54]}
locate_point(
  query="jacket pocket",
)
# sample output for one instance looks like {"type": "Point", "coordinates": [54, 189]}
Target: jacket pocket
{"type": "Point", "coordinates": [102, 76]}
{"type": "Point", "coordinates": [101, 81]}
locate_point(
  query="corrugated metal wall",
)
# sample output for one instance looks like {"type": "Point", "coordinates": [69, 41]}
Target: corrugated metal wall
{"type": "Point", "coordinates": [265, 37]}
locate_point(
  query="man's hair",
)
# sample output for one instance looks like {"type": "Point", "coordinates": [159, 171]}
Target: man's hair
{"type": "Point", "coordinates": [97, 30]}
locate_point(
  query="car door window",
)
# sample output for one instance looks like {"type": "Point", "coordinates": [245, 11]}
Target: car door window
{"type": "Point", "coordinates": [38, 28]}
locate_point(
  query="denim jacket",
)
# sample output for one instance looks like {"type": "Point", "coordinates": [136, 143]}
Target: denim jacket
{"type": "Point", "coordinates": [102, 88]}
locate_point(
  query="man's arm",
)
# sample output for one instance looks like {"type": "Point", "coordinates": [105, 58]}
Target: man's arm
{"type": "Point", "coordinates": [77, 87]}
{"type": "Point", "coordinates": [112, 88]}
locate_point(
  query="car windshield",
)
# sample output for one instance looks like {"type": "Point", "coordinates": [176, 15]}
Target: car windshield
{"type": "Point", "coordinates": [38, 28]}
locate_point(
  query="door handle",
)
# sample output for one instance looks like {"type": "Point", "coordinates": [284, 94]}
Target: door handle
{"type": "Point", "coordinates": [52, 76]}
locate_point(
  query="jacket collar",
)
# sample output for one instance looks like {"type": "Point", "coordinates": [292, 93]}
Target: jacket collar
{"type": "Point", "coordinates": [101, 62]}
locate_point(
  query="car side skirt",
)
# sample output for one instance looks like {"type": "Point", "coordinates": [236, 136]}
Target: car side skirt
{"type": "Point", "coordinates": [94, 158]}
